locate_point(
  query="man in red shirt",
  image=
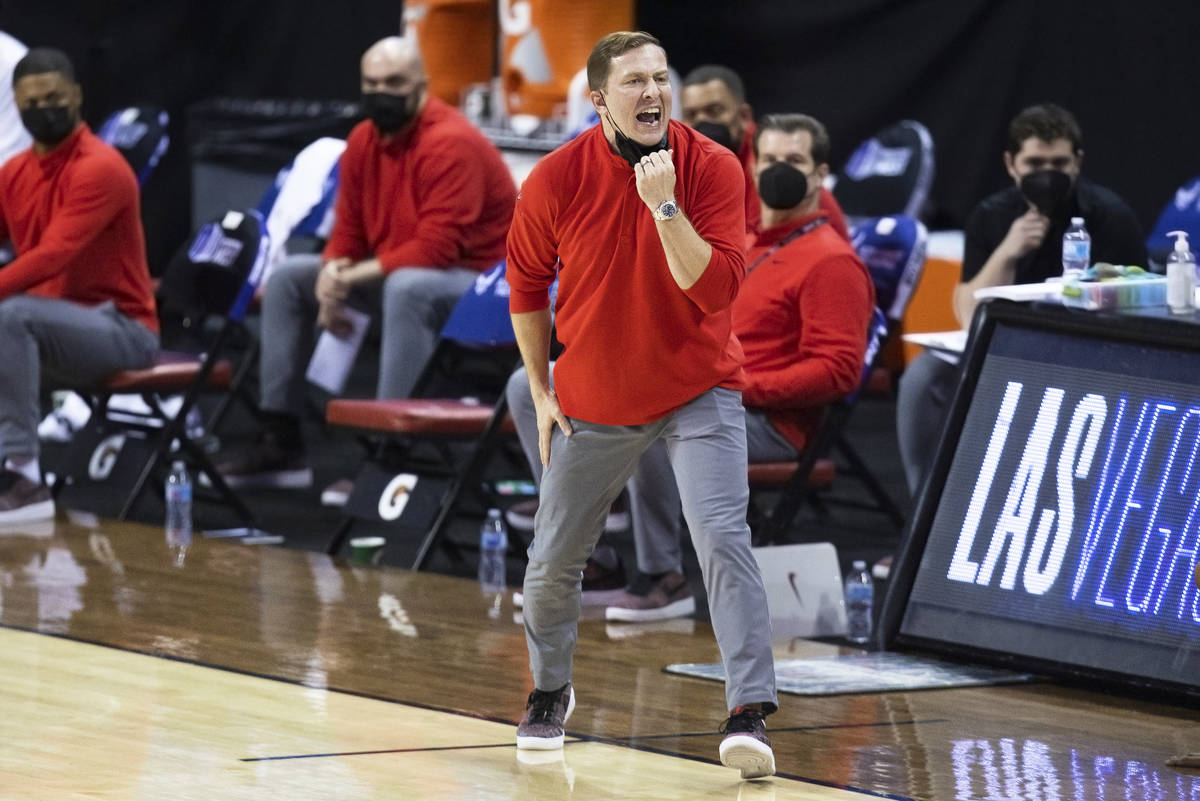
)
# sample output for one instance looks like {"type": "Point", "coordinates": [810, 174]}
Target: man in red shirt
{"type": "Point", "coordinates": [641, 219]}
{"type": "Point", "coordinates": [75, 303]}
{"type": "Point", "coordinates": [713, 101]}
{"type": "Point", "coordinates": [424, 203]}
{"type": "Point", "coordinates": [801, 316]}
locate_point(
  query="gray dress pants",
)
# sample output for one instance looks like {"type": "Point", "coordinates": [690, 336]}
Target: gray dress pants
{"type": "Point", "coordinates": [57, 343]}
{"type": "Point", "coordinates": [922, 403]}
{"type": "Point", "coordinates": [705, 442]}
{"type": "Point", "coordinates": [653, 497]}
{"type": "Point", "coordinates": [414, 303]}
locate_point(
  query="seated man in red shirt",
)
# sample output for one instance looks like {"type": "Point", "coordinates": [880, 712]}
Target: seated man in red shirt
{"type": "Point", "coordinates": [75, 303]}
{"type": "Point", "coordinates": [713, 102]}
{"type": "Point", "coordinates": [801, 315]}
{"type": "Point", "coordinates": [424, 203]}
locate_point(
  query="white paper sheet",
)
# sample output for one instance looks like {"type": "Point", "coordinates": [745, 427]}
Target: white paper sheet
{"type": "Point", "coordinates": [334, 356]}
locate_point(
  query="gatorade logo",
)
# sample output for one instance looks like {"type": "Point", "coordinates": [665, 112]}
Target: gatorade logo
{"type": "Point", "coordinates": [104, 458]}
{"type": "Point", "coordinates": [395, 496]}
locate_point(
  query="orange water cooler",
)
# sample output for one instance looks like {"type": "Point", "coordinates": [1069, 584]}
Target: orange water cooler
{"type": "Point", "coordinates": [545, 42]}
{"type": "Point", "coordinates": [457, 40]}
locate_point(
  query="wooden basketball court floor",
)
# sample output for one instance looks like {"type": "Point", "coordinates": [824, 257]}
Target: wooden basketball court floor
{"type": "Point", "coordinates": [262, 672]}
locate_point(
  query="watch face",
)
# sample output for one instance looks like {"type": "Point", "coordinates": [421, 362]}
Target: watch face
{"type": "Point", "coordinates": [667, 209]}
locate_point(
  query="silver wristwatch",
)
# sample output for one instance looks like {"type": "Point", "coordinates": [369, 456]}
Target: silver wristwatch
{"type": "Point", "coordinates": [666, 210]}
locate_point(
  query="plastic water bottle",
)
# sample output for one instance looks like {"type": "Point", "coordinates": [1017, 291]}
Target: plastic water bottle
{"type": "Point", "coordinates": [493, 544]}
{"type": "Point", "coordinates": [1076, 250]}
{"type": "Point", "coordinates": [179, 512]}
{"type": "Point", "coordinates": [860, 598]}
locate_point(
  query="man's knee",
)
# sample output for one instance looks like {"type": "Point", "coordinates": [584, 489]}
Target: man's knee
{"type": "Point", "coordinates": [517, 391]}
{"type": "Point", "coordinates": [294, 275]}
{"type": "Point", "coordinates": [16, 313]}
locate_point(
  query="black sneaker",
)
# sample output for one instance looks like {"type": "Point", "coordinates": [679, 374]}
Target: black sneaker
{"type": "Point", "coordinates": [269, 464]}
{"type": "Point", "coordinates": [746, 746]}
{"type": "Point", "coordinates": [22, 500]}
{"type": "Point", "coordinates": [543, 725]}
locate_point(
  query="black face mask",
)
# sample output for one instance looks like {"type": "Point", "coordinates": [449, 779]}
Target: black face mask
{"type": "Point", "coordinates": [48, 125]}
{"type": "Point", "coordinates": [782, 186]}
{"type": "Point", "coordinates": [1047, 190]}
{"type": "Point", "coordinates": [389, 112]}
{"type": "Point", "coordinates": [632, 151]}
{"type": "Point", "coordinates": [721, 134]}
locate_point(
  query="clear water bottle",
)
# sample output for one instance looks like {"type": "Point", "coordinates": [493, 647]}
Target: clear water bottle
{"type": "Point", "coordinates": [493, 544]}
{"type": "Point", "coordinates": [1076, 250]}
{"type": "Point", "coordinates": [860, 598]}
{"type": "Point", "coordinates": [179, 512]}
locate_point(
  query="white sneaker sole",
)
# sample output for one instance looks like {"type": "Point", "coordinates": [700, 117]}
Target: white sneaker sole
{"type": "Point", "coordinates": [548, 743]}
{"type": "Point", "coordinates": [681, 608]}
{"type": "Point", "coordinates": [754, 759]}
{"type": "Point", "coordinates": [30, 513]}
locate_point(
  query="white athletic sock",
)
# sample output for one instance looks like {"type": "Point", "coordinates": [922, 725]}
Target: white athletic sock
{"type": "Point", "coordinates": [29, 468]}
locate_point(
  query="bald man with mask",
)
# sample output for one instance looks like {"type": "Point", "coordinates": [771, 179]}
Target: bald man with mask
{"type": "Point", "coordinates": [424, 204]}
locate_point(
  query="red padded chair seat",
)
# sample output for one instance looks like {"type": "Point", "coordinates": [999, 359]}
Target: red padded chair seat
{"type": "Point", "coordinates": [414, 416]}
{"type": "Point", "coordinates": [772, 474]}
{"type": "Point", "coordinates": [171, 371]}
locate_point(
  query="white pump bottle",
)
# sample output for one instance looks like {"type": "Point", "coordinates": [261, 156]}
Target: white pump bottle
{"type": "Point", "coordinates": [1181, 275]}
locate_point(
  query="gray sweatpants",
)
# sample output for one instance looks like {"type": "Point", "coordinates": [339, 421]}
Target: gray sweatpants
{"type": "Point", "coordinates": [413, 302]}
{"type": "Point", "coordinates": [57, 343]}
{"type": "Point", "coordinates": [705, 443]}
{"type": "Point", "coordinates": [653, 498]}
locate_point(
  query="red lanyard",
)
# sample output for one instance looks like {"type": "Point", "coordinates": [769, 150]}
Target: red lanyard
{"type": "Point", "coordinates": [809, 226]}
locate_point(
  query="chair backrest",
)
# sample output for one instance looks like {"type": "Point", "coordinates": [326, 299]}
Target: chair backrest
{"type": "Point", "coordinates": [481, 318]}
{"type": "Point", "coordinates": [300, 202]}
{"type": "Point", "coordinates": [877, 331]}
{"type": "Point", "coordinates": [1182, 213]}
{"type": "Point", "coordinates": [140, 134]}
{"type": "Point", "coordinates": [217, 271]}
{"type": "Point", "coordinates": [890, 173]}
{"type": "Point", "coordinates": [893, 249]}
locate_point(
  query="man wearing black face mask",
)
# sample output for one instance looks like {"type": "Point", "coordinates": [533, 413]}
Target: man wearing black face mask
{"type": "Point", "coordinates": [75, 303]}
{"type": "Point", "coordinates": [1015, 237]}
{"type": "Point", "coordinates": [424, 203]}
{"type": "Point", "coordinates": [713, 101]}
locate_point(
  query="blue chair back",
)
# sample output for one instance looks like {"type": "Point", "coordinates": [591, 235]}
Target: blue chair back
{"type": "Point", "coordinates": [139, 133]}
{"type": "Point", "coordinates": [301, 199]}
{"type": "Point", "coordinates": [1182, 213]}
{"type": "Point", "coordinates": [890, 173]}
{"type": "Point", "coordinates": [893, 249]}
{"type": "Point", "coordinates": [481, 318]}
{"type": "Point", "coordinates": [877, 331]}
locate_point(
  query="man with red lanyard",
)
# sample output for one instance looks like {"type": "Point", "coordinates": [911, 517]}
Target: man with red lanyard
{"type": "Point", "coordinates": [641, 219]}
{"type": "Point", "coordinates": [801, 316]}
{"type": "Point", "coordinates": [713, 101]}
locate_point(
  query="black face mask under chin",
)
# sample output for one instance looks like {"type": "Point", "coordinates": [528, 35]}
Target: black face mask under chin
{"type": "Point", "coordinates": [48, 125]}
{"type": "Point", "coordinates": [388, 112]}
{"type": "Point", "coordinates": [782, 186]}
{"type": "Point", "coordinates": [721, 134]}
{"type": "Point", "coordinates": [632, 151]}
{"type": "Point", "coordinates": [1047, 190]}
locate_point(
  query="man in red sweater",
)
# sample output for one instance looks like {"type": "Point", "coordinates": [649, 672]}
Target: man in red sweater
{"type": "Point", "coordinates": [641, 219]}
{"type": "Point", "coordinates": [75, 303]}
{"type": "Point", "coordinates": [713, 101]}
{"type": "Point", "coordinates": [423, 207]}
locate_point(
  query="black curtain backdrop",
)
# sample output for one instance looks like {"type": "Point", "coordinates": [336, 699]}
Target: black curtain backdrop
{"type": "Point", "coordinates": [962, 67]}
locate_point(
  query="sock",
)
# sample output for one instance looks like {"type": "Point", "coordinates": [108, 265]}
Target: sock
{"type": "Point", "coordinates": [28, 468]}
